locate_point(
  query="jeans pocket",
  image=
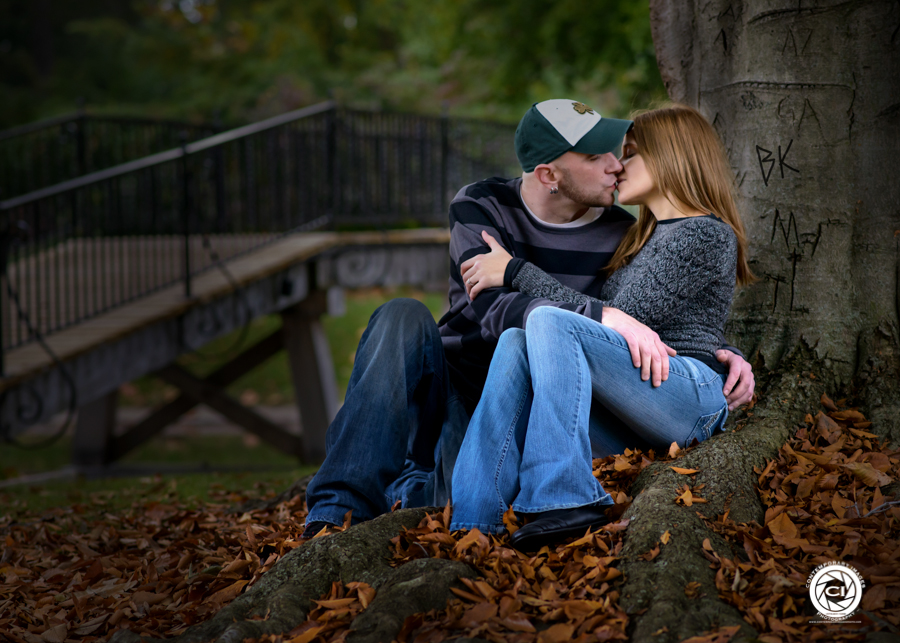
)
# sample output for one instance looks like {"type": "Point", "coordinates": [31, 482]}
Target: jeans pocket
{"type": "Point", "coordinates": [705, 426]}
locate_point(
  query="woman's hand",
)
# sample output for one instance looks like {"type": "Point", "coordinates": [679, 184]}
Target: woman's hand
{"type": "Point", "coordinates": [648, 352]}
{"type": "Point", "coordinates": [485, 271]}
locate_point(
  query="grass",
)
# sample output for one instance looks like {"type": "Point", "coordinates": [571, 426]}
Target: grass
{"type": "Point", "coordinates": [268, 384]}
{"type": "Point", "coordinates": [271, 382]}
{"type": "Point", "coordinates": [98, 496]}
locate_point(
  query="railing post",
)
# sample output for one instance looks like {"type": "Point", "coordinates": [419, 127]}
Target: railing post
{"type": "Point", "coordinates": [331, 147]}
{"type": "Point", "coordinates": [186, 214]}
{"type": "Point", "coordinates": [445, 155]}
{"type": "Point", "coordinates": [219, 172]}
{"type": "Point", "coordinates": [80, 143]}
{"type": "Point", "coordinates": [5, 241]}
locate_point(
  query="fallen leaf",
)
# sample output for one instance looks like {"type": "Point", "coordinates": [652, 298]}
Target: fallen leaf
{"type": "Point", "coordinates": [55, 634]}
{"type": "Point", "coordinates": [650, 555]}
{"type": "Point", "coordinates": [868, 474]}
{"type": "Point", "coordinates": [682, 471]}
{"type": "Point", "coordinates": [674, 450]}
{"type": "Point", "coordinates": [509, 521]}
{"type": "Point", "coordinates": [476, 615]}
{"type": "Point", "coordinates": [559, 633]}
{"type": "Point", "coordinates": [149, 598]}
{"type": "Point", "coordinates": [517, 622]}
{"type": "Point", "coordinates": [468, 540]}
{"type": "Point", "coordinates": [781, 525]}
{"type": "Point", "coordinates": [336, 603]}
{"type": "Point", "coordinates": [307, 636]}
{"type": "Point", "coordinates": [827, 403]}
{"type": "Point", "coordinates": [665, 537]}
{"type": "Point", "coordinates": [229, 593]}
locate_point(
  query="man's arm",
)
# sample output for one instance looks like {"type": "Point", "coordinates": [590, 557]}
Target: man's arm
{"type": "Point", "coordinates": [496, 309]}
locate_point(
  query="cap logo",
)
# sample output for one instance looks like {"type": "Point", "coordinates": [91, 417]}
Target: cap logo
{"type": "Point", "coordinates": [581, 108]}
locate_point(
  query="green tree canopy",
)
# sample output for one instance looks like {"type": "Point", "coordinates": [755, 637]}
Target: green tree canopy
{"type": "Point", "coordinates": [246, 59]}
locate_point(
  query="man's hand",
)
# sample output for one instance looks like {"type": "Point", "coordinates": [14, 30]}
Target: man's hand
{"type": "Point", "coordinates": [648, 352]}
{"type": "Point", "coordinates": [485, 271]}
{"type": "Point", "coordinates": [740, 373]}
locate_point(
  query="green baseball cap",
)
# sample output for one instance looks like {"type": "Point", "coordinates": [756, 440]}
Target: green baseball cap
{"type": "Point", "coordinates": [551, 128]}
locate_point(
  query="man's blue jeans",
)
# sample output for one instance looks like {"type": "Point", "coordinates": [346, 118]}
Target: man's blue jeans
{"type": "Point", "coordinates": [399, 431]}
{"type": "Point", "coordinates": [557, 393]}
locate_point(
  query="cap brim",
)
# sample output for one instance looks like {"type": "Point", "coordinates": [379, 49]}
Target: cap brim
{"type": "Point", "coordinates": [604, 137]}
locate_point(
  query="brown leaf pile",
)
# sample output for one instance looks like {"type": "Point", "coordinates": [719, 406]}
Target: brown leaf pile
{"type": "Point", "coordinates": [156, 569]}
{"type": "Point", "coordinates": [564, 592]}
{"type": "Point", "coordinates": [824, 503]}
{"type": "Point", "coordinates": [561, 594]}
{"type": "Point", "coordinates": [159, 568]}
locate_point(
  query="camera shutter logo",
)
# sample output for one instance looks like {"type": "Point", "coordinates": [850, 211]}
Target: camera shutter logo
{"type": "Point", "coordinates": [835, 590]}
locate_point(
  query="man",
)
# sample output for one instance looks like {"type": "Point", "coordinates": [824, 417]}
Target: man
{"type": "Point", "coordinates": [415, 384]}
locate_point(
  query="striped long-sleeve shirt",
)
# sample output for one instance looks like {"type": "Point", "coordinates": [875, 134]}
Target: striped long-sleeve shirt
{"type": "Point", "coordinates": [575, 256]}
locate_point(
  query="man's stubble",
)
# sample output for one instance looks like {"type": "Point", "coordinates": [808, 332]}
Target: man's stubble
{"type": "Point", "coordinates": [579, 194]}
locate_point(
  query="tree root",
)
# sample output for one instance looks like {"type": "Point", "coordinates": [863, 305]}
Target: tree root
{"type": "Point", "coordinates": [878, 381]}
{"type": "Point", "coordinates": [417, 586]}
{"type": "Point", "coordinates": [653, 593]}
{"type": "Point", "coordinates": [283, 596]}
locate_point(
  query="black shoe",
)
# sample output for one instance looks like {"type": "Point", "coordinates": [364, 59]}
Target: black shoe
{"type": "Point", "coordinates": [559, 524]}
{"type": "Point", "coordinates": [314, 527]}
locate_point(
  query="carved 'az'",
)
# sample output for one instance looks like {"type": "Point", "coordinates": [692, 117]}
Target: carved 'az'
{"type": "Point", "coordinates": [767, 163]}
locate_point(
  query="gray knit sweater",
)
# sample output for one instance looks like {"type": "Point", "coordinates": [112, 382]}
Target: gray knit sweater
{"type": "Point", "coordinates": [680, 284]}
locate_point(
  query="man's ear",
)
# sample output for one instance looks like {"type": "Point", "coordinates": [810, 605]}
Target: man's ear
{"type": "Point", "coordinates": [546, 174]}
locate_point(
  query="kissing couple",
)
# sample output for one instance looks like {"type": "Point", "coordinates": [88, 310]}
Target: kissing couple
{"type": "Point", "coordinates": [574, 331]}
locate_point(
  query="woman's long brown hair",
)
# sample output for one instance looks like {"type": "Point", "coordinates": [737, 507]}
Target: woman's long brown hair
{"type": "Point", "coordinates": [687, 162]}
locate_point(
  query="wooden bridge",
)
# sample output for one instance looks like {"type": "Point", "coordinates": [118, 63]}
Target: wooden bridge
{"type": "Point", "coordinates": [92, 300]}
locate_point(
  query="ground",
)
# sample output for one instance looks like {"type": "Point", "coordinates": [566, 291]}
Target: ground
{"type": "Point", "coordinates": [715, 543]}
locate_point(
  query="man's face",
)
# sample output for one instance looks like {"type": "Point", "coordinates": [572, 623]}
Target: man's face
{"type": "Point", "coordinates": [588, 179]}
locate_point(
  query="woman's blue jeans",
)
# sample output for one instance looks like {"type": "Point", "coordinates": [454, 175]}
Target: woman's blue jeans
{"type": "Point", "coordinates": [560, 392]}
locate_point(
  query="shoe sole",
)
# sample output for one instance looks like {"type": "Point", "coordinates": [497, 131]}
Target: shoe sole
{"type": "Point", "coordinates": [535, 542]}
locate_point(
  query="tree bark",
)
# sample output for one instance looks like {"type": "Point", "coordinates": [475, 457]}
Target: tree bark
{"type": "Point", "coordinates": [806, 98]}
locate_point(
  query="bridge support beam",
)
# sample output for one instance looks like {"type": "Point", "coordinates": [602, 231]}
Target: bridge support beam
{"type": "Point", "coordinates": [94, 432]}
{"type": "Point", "coordinates": [211, 395]}
{"type": "Point", "coordinates": [304, 339]}
{"type": "Point", "coordinates": [168, 413]}
{"type": "Point", "coordinates": [312, 370]}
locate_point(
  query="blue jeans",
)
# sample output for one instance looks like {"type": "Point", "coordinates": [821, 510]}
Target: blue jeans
{"type": "Point", "coordinates": [557, 393]}
{"type": "Point", "coordinates": [399, 431]}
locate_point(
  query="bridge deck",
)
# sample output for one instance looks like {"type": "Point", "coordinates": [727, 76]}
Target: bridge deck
{"type": "Point", "coordinates": [170, 302]}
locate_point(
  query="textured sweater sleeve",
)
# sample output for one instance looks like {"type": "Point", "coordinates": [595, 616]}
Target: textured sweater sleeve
{"type": "Point", "coordinates": [533, 281]}
{"type": "Point", "coordinates": [664, 290]}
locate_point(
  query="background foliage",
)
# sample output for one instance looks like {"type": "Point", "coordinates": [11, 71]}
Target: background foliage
{"type": "Point", "coordinates": [247, 59]}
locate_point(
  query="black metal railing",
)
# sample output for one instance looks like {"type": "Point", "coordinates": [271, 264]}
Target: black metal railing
{"type": "Point", "coordinates": [57, 149]}
{"type": "Point", "coordinates": [88, 245]}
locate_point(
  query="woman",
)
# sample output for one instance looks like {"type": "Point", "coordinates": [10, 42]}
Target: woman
{"type": "Point", "coordinates": [529, 443]}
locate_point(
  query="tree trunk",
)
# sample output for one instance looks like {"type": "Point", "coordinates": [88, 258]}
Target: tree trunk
{"type": "Point", "coordinates": [806, 97]}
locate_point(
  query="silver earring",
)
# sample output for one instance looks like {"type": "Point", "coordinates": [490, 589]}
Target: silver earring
{"type": "Point", "coordinates": [554, 190]}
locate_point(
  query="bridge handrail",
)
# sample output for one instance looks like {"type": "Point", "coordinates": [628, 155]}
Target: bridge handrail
{"type": "Point", "coordinates": [90, 244]}
{"type": "Point", "coordinates": [169, 155]}
{"type": "Point", "coordinates": [36, 126]}
{"type": "Point", "coordinates": [53, 121]}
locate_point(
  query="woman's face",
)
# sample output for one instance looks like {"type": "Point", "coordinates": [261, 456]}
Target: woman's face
{"type": "Point", "coordinates": [636, 186]}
